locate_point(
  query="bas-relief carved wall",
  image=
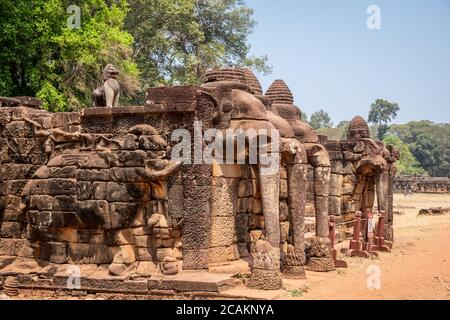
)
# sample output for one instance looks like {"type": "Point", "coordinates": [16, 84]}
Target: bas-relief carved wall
{"type": "Point", "coordinates": [99, 187]}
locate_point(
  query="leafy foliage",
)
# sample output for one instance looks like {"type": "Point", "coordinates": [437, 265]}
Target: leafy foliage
{"type": "Point", "coordinates": [41, 56]}
{"type": "Point", "coordinates": [320, 119]}
{"type": "Point", "coordinates": [381, 113]}
{"type": "Point", "coordinates": [176, 41]}
{"type": "Point", "coordinates": [408, 164]}
{"type": "Point", "coordinates": [429, 143]}
{"type": "Point", "coordinates": [151, 42]}
{"type": "Point", "coordinates": [304, 116]}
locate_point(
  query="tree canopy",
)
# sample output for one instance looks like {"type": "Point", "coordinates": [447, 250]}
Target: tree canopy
{"type": "Point", "coordinates": [176, 41]}
{"type": "Point", "coordinates": [407, 164]}
{"type": "Point", "coordinates": [429, 143]}
{"type": "Point", "coordinates": [320, 119]}
{"type": "Point", "coordinates": [151, 42]}
{"type": "Point", "coordinates": [381, 113]}
{"type": "Point", "coordinates": [41, 56]}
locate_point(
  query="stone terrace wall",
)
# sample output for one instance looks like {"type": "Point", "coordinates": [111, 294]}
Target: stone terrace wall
{"type": "Point", "coordinates": [24, 149]}
{"type": "Point", "coordinates": [97, 187]}
{"type": "Point", "coordinates": [422, 184]}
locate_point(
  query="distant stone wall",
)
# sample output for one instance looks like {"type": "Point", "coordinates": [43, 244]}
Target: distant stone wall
{"type": "Point", "coordinates": [419, 184]}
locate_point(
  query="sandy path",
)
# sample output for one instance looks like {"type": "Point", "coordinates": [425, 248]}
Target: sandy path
{"type": "Point", "coordinates": [413, 270]}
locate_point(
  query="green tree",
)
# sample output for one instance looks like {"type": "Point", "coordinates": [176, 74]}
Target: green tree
{"type": "Point", "coordinates": [429, 152]}
{"type": "Point", "coordinates": [416, 133]}
{"type": "Point", "coordinates": [343, 128]}
{"type": "Point", "coordinates": [176, 41]}
{"type": "Point", "coordinates": [41, 56]}
{"type": "Point", "coordinates": [320, 119]}
{"type": "Point", "coordinates": [304, 116]}
{"type": "Point", "coordinates": [381, 113]}
{"type": "Point", "coordinates": [407, 164]}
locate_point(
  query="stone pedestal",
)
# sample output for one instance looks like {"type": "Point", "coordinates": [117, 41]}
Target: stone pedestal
{"type": "Point", "coordinates": [265, 280]}
{"type": "Point", "coordinates": [320, 259]}
{"type": "Point", "coordinates": [266, 273]}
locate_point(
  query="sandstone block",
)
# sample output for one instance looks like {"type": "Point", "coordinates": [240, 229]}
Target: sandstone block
{"type": "Point", "coordinates": [11, 230]}
{"type": "Point", "coordinates": [94, 213]}
{"type": "Point", "coordinates": [283, 189]}
{"type": "Point", "coordinates": [195, 259]}
{"type": "Point", "coordinates": [245, 189]}
{"type": "Point", "coordinates": [222, 231]}
{"type": "Point", "coordinates": [227, 170]}
{"type": "Point", "coordinates": [284, 211]}
{"type": "Point", "coordinates": [336, 181]}
{"type": "Point", "coordinates": [121, 214]}
{"type": "Point", "coordinates": [54, 252]}
{"type": "Point", "coordinates": [175, 201]}
{"type": "Point", "coordinates": [120, 174]}
{"type": "Point", "coordinates": [92, 175]}
{"type": "Point", "coordinates": [334, 205]}
{"type": "Point", "coordinates": [265, 280]}
{"type": "Point", "coordinates": [126, 255]}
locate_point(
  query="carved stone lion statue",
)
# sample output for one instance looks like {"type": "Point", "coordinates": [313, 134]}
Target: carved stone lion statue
{"type": "Point", "coordinates": [108, 94]}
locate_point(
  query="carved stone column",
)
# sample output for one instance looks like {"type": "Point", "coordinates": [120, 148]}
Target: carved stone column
{"type": "Point", "coordinates": [295, 159]}
{"type": "Point", "coordinates": [266, 274]}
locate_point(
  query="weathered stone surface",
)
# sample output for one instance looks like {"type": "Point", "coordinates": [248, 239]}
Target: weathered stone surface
{"type": "Point", "coordinates": [54, 252]}
{"type": "Point", "coordinates": [321, 181]}
{"type": "Point", "coordinates": [11, 230]}
{"type": "Point", "coordinates": [94, 213]}
{"type": "Point", "coordinates": [336, 181]}
{"type": "Point", "coordinates": [175, 201]}
{"type": "Point", "coordinates": [98, 187]}
{"type": "Point", "coordinates": [13, 247]}
{"type": "Point", "coordinates": [13, 187]}
{"type": "Point", "coordinates": [294, 272]}
{"type": "Point", "coordinates": [121, 214]}
{"type": "Point", "coordinates": [126, 255]}
{"type": "Point", "coordinates": [195, 259]}
{"type": "Point", "coordinates": [257, 206]}
{"type": "Point", "coordinates": [145, 254]}
{"type": "Point", "coordinates": [265, 280]}
{"type": "Point", "coordinates": [242, 226]}
{"type": "Point", "coordinates": [52, 187]}
{"type": "Point", "coordinates": [283, 189]}
{"type": "Point", "coordinates": [85, 160]}
{"type": "Point", "coordinates": [146, 268]}
{"type": "Point", "coordinates": [284, 211]}
{"type": "Point", "coordinates": [124, 192]}
{"type": "Point", "coordinates": [227, 170]}
{"type": "Point", "coordinates": [127, 174]}
{"type": "Point", "coordinates": [320, 264]}
{"type": "Point", "coordinates": [320, 247]}
{"type": "Point", "coordinates": [245, 189]}
{"type": "Point", "coordinates": [159, 190]}
{"type": "Point", "coordinates": [335, 206]}
{"type": "Point", "coordinates": [222, 231]}
{"type": "Point", "coordinates": [92, 175]}
{"type": "Point", "coordinates": [16, 171]}
{"type": "Point", "coordinates": [49, 203]}
{"type": "Point", "coordinates": [85, 253]}
{"type": "Point", "coordinates": [266, 257]}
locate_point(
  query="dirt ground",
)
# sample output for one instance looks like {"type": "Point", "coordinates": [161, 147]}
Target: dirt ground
{"type": "Point", "coordinates": [417, 268]}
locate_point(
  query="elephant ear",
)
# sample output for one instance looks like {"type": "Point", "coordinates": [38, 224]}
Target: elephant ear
{"type": "Point", "coordinates": [208, 109]}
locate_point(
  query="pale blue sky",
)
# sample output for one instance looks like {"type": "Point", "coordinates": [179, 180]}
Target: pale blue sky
{"type": "Point", "coordinates": [331, 60]}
